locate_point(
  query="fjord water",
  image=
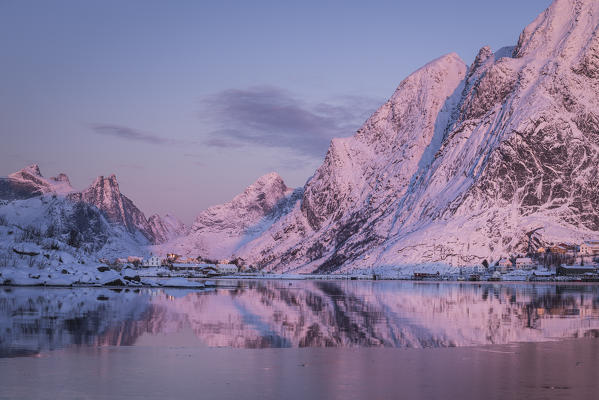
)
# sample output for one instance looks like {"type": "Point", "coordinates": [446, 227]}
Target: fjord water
{"type": "Point", "coordinates": [302, 339]}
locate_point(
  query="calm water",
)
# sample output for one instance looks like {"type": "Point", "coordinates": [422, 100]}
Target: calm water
{"type": "Point", "coordinates": [302, 339]}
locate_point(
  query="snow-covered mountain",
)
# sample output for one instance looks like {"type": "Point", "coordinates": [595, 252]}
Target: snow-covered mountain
{"type": "Point", "coordinates": [105, 194]}
{"type": "Point", "coordinates": [220, 230]}
{"type": "Point", "coordinates": [29, 182]}
{"type": "Point", "coordinates": [47, 215]}
{"type": "Point", "coordinates": [461, 164]}
{"type": "Point", "coordinates": [458, 166]}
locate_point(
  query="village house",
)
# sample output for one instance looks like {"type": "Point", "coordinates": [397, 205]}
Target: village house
{"type": "Point", "coordinates": [153, 261]}
{"type": "Point", "coordinates": [227, 269]}
{"type": "Point", "coordinates": [558, 249]}
{"type": "Point", "coordinates": [524, 263]}
{"type": "Point", "coordinates": [172, 257]}
{"type": "Point", "coordinates": [504, 265]}
{"type": "Point", "coordinates": [590, 248]}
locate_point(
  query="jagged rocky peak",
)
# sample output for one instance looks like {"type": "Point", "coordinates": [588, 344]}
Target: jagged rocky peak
{"type": "Point", "coordinates": [254, 202]}
{"type": "Point", "coordinates": [61, 178]}
{"type": "Point", "coordinates": [29, 182]}
{"type": "Point", "coordinates": [105, 194]}
{"type": "Point", "coordinates": [561, 30]}
{"type": "Point", "coordinates": [106, 182]}
{"type": "Point", "coordinates": [271, 182]}
{"type": "Point", "coordinates": [484, 54]}
{"type": "Point", "coordinates": [28, 171]}
{"type": "Point", "coordinates": [388, 148]}
{"type": "Point", "coordinates": [219, 230]}
{"type": "Point", "coordinates": [411, 103]}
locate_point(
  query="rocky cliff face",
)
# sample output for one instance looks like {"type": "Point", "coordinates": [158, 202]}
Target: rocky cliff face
{"type": "Point", "coordinates": [105, 194]}
{"type": "Point", "coordinates": [461, 163]}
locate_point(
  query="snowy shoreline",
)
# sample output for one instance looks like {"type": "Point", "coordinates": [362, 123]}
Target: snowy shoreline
{"type": "Point", "coordinates": [132, 279]}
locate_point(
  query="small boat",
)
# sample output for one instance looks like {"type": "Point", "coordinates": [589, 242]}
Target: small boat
{"type": "Point", "coordinates": [474, 278]}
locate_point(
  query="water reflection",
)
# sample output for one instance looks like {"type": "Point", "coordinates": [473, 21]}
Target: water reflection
{"type": "Point", "coordinates": [260, 314]}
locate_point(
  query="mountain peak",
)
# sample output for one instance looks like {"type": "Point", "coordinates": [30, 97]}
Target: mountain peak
{"type": "Point", "coordinates": [483, 55]}
{"type": "Point", "coordinates": [31, 178]}
{"type": "Point", "coordinates": [110, 181]}
{"type": "Point", "coordinates": [272, 178]}
{"type": "Point", "coordinates": [450, 60]}
{"type": "Point", "coordinates": [105, 194]}
{"type": "Point", "coordinates": [561, 30]}
{"type": "Point", "coordinates": [30, 170]}
{"type": "Point", "coordinates": [33, 169]}
{"type": "Point", "coordinates": [61, 178]}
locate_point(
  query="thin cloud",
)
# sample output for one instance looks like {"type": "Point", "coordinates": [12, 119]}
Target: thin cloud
{"type": "Point", "coordinates": [127, 133]}
{"type": "Point", "coordinates": [272, 117]}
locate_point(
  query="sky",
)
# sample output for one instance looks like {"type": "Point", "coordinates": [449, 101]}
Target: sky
{"type": "Point", "coordinates": [189, 102]}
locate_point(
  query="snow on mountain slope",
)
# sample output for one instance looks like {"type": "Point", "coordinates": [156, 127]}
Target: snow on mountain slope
{"type": "Point", "coordinates": [166, 228]}
{"type": "Point", "coordinates": [48, 216]}
{"type": "Point", "coordinates": [54, 203]}
{"type": "Point", "coordinates": [363, 177]}
{"type": "Point", "coordinates": [220, 230]}
{"type": "Point", "coordinates": [58, 232]}
{"type": "Point", "coordinates": [29, 182]}
{"type": "Point", "coordinates": [460, 164]}
{"type": "Point", "coordinates": [523, 152]}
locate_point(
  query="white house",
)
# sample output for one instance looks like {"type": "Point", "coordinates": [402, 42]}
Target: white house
{"type": "Point", "coordinates": [524, 263]}
{"type": "Point", "coordinates": [153, 261]}
{"type": "Point", "coordinates": [227, 268]}
{"type": "Point", "coordinates": [590, 248]}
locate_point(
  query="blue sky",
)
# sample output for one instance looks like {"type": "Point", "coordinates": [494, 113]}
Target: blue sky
{"type": "Point", "coordinates": [188, 102]}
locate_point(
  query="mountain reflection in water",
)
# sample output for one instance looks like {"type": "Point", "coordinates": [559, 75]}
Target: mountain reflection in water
{"type": "Point", "coordinates": [264, 314]}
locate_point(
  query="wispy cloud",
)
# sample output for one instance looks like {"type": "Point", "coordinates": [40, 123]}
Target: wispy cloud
{"type": "Point", "coordinates": [272, 117]}
{"type": "Point", "coordinates": [127, 133]}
